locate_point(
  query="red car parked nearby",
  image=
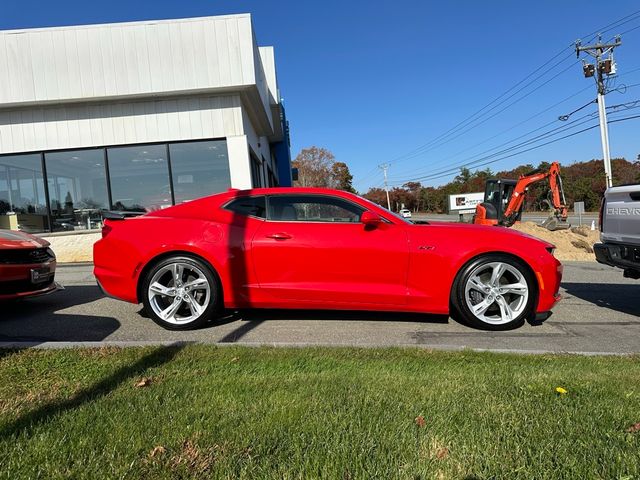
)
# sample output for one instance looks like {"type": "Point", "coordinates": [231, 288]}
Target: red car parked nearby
{"type": "Point", "coordinates": [27, 266]}
{"type": "Point", "coordinates": [320, 249]}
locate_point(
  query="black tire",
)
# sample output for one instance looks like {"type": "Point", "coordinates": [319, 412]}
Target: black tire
{"type": "Point", "coordinates": [496, 316]}
{"type": "Point", "coordinates": [208, 306]}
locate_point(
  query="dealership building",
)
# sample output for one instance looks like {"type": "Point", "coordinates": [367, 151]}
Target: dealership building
{"type": "Point", "coordinates": [134, 117]}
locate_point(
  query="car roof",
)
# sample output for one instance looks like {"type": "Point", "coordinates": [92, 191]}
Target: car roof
{"type": "Point", "coordinates": [194, 208]}
{"type": "Point", "coordinates": [288, 190]}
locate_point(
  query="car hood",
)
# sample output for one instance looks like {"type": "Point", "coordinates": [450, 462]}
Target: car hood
{"type": "Point", "coordinates": [14, 239]}
{"type": "Point", "coordinates": [466, 230]}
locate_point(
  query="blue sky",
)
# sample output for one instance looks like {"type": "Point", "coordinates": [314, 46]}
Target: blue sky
{"type": "Point", "coordinates": [374, 81]}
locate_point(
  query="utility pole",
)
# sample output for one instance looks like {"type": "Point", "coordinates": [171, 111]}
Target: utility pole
{"type": "Point", "coordinates": [384, 168]}
{"type": "Point", "coordinates": [598, 70]}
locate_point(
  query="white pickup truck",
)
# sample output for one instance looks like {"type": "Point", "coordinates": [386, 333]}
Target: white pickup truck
{"type": "Point", "coordinates": [620, 230]}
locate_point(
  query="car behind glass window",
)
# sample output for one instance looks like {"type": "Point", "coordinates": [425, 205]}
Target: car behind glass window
{"type": "Point", "coordinates": [248, 206]}
{"type": "Point", "coordinates": [313, 208]}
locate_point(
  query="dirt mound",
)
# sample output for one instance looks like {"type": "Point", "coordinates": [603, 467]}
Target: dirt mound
{"type": "Point", "coordinates": [574, 244]}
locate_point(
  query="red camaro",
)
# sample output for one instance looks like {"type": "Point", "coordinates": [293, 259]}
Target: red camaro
{"type": "Point", "coordinates": [320, 249]}
{"type": "Point", "coordinates": [27, 266]}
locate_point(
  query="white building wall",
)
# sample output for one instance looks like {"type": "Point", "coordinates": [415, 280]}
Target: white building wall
{"type": "Point", "coordinates": [115, 60]}
{"type": "Point", "coordinates": [93, 125]}
{"type": "Point", "coordinates": [268, 60]}
{"type": "Point", "coordinates": [239, 162]}
{"type": "Point", "coordinates": [153, 81]}
{"type": "Point", "coordinates": [259, 145]}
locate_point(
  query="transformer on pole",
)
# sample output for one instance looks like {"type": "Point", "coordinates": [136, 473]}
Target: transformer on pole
{"type": "Point", "coordinates": [598, 70]}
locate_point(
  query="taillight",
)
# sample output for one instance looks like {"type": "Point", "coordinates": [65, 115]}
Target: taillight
{"type": "Point", "coordinates": [601, 214]}
{"type": "Point", "coordinates": [106, 229]}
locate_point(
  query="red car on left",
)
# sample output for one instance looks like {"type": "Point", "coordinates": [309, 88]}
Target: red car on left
{"type": "Point", "coordinates": [27, 266]}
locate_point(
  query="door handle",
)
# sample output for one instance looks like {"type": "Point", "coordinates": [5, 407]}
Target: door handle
{"type": "Point", "coordinates": [279, 236]}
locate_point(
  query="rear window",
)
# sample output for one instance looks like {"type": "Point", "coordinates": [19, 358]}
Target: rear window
{"type": "Point", "coordinates": [248, 206]}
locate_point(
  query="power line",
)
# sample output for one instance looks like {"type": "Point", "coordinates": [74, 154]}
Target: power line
{"type": "Point", "coordinates": [474, 161]}
{"type": "Point", "coordinates": [478, 161]}
{"type": "Point", "coordinates": [471, 119]}
{"type": "Point", "coordinates": [487, 105]}
{"type": "Point", "coordinates": [613, 25]}
{"type": "Point", "coordinates": [464, 162]}
{"type": "Point", "coordinates": [511, 128]}
{"type": "Point", "coordinates": [472, 123]}
{"type": "Point", "coordinates": [469, 162]}
{"type": "Point", "coordinates": [630, 30]}
{"type": "Point", "coordinates": [616, 24]}
{"type": "Point", "coordinates": [535, 147]}
{"type": "Point", "coordinates": [461, 125]}
{"type": "Point", "coordinates": [564, 118]}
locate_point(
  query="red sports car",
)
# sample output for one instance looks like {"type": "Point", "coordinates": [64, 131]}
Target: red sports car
{"type": "Point", "coordinates": [320, 249]}
{"type": "Point", "coordinates": [27, 266]}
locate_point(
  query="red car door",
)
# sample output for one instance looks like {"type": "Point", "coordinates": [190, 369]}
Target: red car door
{"type": "Point", "coordinates": [314, 248]}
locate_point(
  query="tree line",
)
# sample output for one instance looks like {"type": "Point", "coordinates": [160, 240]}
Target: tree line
{"type": "Point", "coordinates": [582, 182]}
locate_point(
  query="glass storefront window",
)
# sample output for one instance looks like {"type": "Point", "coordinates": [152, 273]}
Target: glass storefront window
{"type": "Point", "coordinates": [199, 169]}
{"type": "Point", "coordinates": [139, 178]}
{"type": "Point", "coordinates": [22, 199]}
{"type": "Point", "coordinates": [256, 172]}
{"type": "Point", "coordinates": [77, 183]}
{"type": "Point", "coordinates": [143, 178]}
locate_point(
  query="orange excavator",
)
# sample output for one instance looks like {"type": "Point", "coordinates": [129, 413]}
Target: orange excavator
{"type": "Point", "coordinates": [504, 199]}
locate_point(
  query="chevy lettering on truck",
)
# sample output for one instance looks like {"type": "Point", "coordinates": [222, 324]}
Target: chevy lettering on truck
{"type": "Point", "coordinates": [623, 211]}
{"type": "Point", "coordinates": [620, 230]}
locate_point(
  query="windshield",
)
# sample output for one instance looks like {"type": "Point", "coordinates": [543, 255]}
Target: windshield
{"type": "Point", "coordinates": [395, 215]}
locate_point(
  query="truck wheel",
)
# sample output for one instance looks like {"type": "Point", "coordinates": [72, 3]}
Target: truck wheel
{"type": "Point", "coordinates": [494, 292]}
{"type": "Point", "coordinates": [181, 293]}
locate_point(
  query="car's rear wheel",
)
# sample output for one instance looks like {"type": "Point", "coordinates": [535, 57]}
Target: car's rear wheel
{"type": "Point", "coordinates": [181, 293]}
{"type": "Point", "coordinates": [495, 292]}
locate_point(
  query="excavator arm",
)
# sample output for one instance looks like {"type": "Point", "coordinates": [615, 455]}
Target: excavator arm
{"type": "Point", "coordinates": [558, 201]}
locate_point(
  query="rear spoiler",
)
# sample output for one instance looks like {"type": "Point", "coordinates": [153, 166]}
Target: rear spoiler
{"type": "Point", "coordinates": [109, 215]}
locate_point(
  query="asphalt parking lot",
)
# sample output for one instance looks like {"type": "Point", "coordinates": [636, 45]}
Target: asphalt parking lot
{"type": "Point", "coordinates": [600, 313]}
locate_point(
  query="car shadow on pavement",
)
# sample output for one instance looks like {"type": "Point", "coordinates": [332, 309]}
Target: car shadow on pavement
{"type": "Point", "coordinates": [355, 315]}
{"type": "Point", "coordinates": [46, 319]}
{"type": "Point", "coordinates": [250, 319]}
{"type": "Point", "coordinates": [228, 317]}
{"type": "Point", "coordinates": [27, 423]}
{"type": "Point", "coordinates": [620, 297]}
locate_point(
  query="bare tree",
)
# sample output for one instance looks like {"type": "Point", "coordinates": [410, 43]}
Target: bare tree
{"type": "Point", "coordinates": [315, 167]}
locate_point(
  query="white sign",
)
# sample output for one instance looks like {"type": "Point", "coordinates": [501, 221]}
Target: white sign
{"type": "Point", "coordinates": [578, 207]}
{"type": "Point", "coordinates": [185, 178]}
{"type": "Point", "coordinates": [465, 202]}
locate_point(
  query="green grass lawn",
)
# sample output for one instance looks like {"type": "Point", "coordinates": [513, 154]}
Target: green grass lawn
{"type": "Point", "coordinates": [208, 412]}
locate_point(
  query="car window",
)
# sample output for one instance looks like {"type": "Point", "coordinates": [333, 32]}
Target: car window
{"type": "Point", "coordinates": [313, 208]}
{"type": "Point", "coordinates": [395, 215]}
{"type": "Point", "coordinates": [248, 206]}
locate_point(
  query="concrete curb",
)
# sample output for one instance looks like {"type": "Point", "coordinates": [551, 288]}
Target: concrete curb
{"type": "Point", "coordinates": [165, 343]}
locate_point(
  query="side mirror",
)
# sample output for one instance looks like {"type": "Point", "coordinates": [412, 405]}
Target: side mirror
{"type": "Point", "coordinates": [370, 219]}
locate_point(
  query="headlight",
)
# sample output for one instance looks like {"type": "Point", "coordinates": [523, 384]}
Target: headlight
{"type": "Point", "coordinates": [551, 250]}
{"type": "Point", "coordinates": [51, 253]}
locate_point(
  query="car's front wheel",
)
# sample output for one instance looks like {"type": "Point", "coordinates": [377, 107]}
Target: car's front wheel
{"type": "Point", "coordinates": [180, 293]}
{"type": "Point", "coordinates": [494, 292]}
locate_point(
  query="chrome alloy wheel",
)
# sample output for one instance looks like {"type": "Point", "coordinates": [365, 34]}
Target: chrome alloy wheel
{"type": "Point", "coordinates": [179, 293]}
{"type": "Point", "coordinates": [496, 293]}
